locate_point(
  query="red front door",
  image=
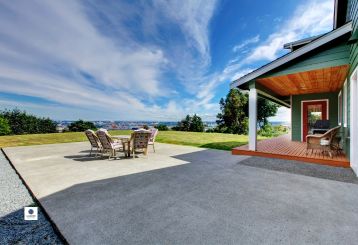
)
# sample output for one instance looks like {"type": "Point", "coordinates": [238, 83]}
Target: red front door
{"type": "Point", "coordinates": [311, 112]}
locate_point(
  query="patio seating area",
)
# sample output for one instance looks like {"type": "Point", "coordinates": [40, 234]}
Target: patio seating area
{"type": "Point", "coordinates": [188, 195]}
{"type": "Point", "coordinates": [283, 148]}
{"type": "Point", "coordinates": [111, 145]}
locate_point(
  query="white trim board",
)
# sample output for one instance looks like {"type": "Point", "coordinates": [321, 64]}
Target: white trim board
{"type": "Point", "coordinates": [340, 117]}
{"type": "Point", "coordinates": [345, 104]}
{"type": "Point", "coordinates": [301, 120]}
{"type": "Point", "coordinates": [354, 121]}
{"type": "Point", "coordinates": [330, 36]}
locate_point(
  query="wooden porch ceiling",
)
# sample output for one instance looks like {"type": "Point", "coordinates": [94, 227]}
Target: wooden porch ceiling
{"type": "Point", "coordinates": [323, 80]}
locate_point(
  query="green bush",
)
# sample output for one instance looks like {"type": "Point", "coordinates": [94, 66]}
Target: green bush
{"type": "Point", "coordinates": [22, 123]}
{"type": "Point", "coordinates": [192, 124]}
{"type": "Point", "coordinates": [162, 127]}
{"type": "Point", "coordinates": [272, 131]}
{"type": "Point", "coordinates": [80, 126]}
{"type": "Point", "coordinates": [4, 126]}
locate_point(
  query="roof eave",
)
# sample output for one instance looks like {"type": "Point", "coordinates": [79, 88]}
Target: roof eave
{"type": "Point", "coordinates": [294, 54]}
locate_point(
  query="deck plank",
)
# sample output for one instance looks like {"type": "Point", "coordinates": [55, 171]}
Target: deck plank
{"type": "Point", "coordinates": [282, 147]}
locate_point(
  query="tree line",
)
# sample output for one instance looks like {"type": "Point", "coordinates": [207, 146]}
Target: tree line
{"type": "Point", "coordinates": [233, 119]}
{"type": "Point", "coordinates": [233, 116]}
{"type": "Point", "coordinates": [20, 122]}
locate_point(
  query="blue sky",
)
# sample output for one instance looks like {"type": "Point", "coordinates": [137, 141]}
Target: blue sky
{"type": "Point", "coordinates": [142, 60]}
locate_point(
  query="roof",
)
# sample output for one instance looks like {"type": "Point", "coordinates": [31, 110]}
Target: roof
{"type": "Point", "coordinates": [324, 39]}
{"type": "Point", "coordinates": [296, 44]}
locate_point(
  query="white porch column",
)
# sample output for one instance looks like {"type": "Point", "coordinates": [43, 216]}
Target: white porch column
{"type": "Point", "coordinates": [252, 119]}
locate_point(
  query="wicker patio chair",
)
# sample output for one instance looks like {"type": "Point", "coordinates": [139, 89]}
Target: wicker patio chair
{"type": "Point", "coordinates": [139, 142]}
{"type": "Point", "coordinates": [323, 142]}
{"type": "Point", "coordinates": [153, 135]}
{"type": "Point", "coordinates": [94, 141]}
{"type": "Point", "coordinates": [108, 144]}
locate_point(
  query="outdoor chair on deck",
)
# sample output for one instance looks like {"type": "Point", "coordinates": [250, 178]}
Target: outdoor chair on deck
{"type": "Point", "coordinates": [153, 135]}
{"type": "Point", "coordinates": [108, 144]}
{"type": "Point", "coordinates": [323, 142]}
{"type": "Point", "coordinates": [93, 139]}
{"type": "Point", "coordinates": [139, 142]}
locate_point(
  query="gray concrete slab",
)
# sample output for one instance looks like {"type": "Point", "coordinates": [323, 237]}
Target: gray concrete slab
{"type": "Point", "coordinates": [188, 195]}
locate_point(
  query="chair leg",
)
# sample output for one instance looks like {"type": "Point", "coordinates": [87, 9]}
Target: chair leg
{"type": "Point", "coordinates": [91, 151]}
{"type": "Point", "coordinates": [153, 147]}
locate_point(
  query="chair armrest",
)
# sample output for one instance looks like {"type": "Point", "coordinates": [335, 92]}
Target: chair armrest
{"type": "Point", "coordinates": [314, 136]}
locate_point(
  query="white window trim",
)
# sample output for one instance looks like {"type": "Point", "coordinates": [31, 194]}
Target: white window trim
{"type": "Point", "coordinates": [345, 105]}
{"type": "Point", "coordinates": [340, 108]}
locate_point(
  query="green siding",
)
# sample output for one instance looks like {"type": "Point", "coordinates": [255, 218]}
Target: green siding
{"type": "Point", "coordinates": [296, 111]}
{"type": "Point", "coordinates": [331, 55]}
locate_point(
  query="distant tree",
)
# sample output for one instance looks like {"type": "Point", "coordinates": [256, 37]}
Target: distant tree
{"type": "Point", "coordinates": [233, 117]}
{"type": "Point", "coordinates": [193, 124]}
{"type": "Point", "coordinates": [4, 126]}
{"type": "Point", "coordinates": [196, 124]}
{"type": "Point", "coordinates": [265, 110]}
{"type": "Point", "coordinates": [80, 126]}
{"type": "Point", "coordinates": [145, 126]}
{"type": "Point", "coordinates": [184, 124]}
{"type": "Point", "coordinates": [162, 127]}
{"type": "Point", "coordinates": [21, 122]}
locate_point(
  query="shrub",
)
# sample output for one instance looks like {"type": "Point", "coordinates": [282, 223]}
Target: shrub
{"type": "Point", "coordinates": [193, 124]}
{"type": "Point", "coordinates": [272, 131]}
{"type": "Point", "coordinates": [267, 130]}
{"type": "Point", "coordinates": [4, 126]}
{"type": "Point", "coordinates": [162, 127]}
{"type": "Point", "coordinates": [210, 130]}
{"type": "Point", "coordinates": [22, 123]}
{"type": "Point", "coordinates": [80, 126]}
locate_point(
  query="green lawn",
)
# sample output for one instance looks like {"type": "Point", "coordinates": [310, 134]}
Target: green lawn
{"type": "Point", "coordinates": [207, 140]}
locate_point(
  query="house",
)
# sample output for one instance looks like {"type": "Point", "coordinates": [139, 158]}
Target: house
{"type": "Point", "coordinates": [317, 78]}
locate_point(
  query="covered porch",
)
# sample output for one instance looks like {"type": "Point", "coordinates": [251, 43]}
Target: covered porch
{"type": "Point", "coordinates": [283, 147]}
{"type": "Point", "coordinates": [311, 81]}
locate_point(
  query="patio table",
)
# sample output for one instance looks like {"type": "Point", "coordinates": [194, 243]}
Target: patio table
{"type": "Point", "coordinates": [126, 143]}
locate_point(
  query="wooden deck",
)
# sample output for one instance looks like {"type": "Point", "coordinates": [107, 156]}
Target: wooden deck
{"type": "Point", "coordinates": [282, 147]}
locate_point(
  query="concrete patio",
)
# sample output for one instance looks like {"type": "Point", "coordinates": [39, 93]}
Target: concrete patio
{"type": "Point", "coordinates": [189, 195]}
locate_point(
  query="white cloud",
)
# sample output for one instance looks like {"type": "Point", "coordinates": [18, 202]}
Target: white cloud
{"type": "Point", "coordinates": [283, 115]}
{"type": "Point", "coordinates": [312, 18]}
{"type": "Point", "coordinates": [245, 43]}
{"type": "Point", "coordinates": [65, 53]}
{"type": "Point", "coordinates": [56, 51]}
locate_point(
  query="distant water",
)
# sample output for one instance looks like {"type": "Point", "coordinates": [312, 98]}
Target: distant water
{"type": "Point", "coordinates": [283, 123]}
{"type": "Point", "coordinates": [112, 125]}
